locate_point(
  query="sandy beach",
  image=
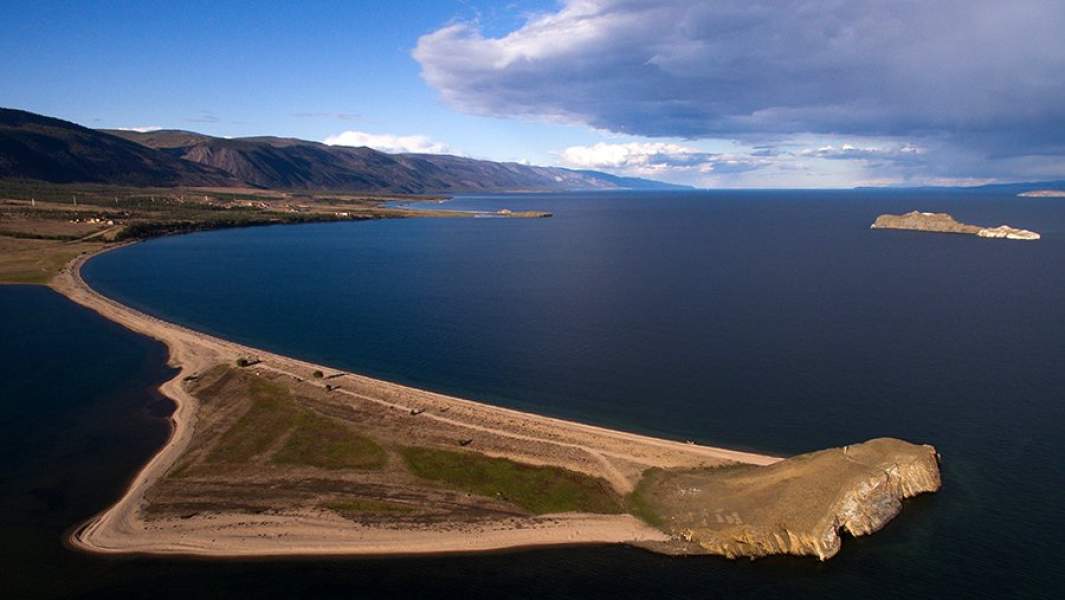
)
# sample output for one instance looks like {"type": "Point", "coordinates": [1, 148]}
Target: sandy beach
{"type": "Point", "coordinates": [617, 457]}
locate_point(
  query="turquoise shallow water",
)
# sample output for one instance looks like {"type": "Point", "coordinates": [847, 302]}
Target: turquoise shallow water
{"type": "Point", "coordinates": [767, 320]}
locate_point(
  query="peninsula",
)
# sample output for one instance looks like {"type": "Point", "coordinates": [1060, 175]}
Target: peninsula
{"type": "Point", "coordinates": [944, 223]}
{"type": "Point", "coordinates": [270, 455]}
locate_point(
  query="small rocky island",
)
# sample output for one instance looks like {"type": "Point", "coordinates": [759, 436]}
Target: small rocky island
{"type": "Point", "coordinates": [1043, 194]}
{"type": "Point", "coordinates": [944, 223]}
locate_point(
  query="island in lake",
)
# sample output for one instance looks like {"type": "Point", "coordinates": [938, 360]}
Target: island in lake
{"type": "Point", "coordinates": [944, 223]}
{"type": "Point", "coordinates": [1043, 194]}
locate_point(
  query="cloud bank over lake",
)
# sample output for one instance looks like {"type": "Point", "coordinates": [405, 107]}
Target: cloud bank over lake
{"type": "Point", "coordinates": [975, 85]}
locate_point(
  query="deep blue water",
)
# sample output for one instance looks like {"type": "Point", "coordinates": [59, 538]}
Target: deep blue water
{"type": "Point", "coordinates": [774, 321]}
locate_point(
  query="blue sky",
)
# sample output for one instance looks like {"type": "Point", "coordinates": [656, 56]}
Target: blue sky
{"type": "Point", "coordinates": [232, 70]}
{"type": "Point", "coordinates": [725, 93]}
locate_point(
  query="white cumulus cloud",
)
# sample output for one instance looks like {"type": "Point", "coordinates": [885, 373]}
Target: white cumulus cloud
{"type": "Point", "coordinates": [656, 158]}
{"type": "Point", "coordinates": [387, 142]}
{"type": "Point", "coordinates": [141, 129]}
{"type": "Point", "coordinates": [975, 81]}
{"type": "Point", "coordinates": [901, 153]}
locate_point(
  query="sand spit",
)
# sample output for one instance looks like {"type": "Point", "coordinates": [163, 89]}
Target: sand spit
{"type": "Point", "coordinates": [618, 457]}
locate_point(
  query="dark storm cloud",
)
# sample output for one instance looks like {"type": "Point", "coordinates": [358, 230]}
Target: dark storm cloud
{"type": "Point", "coordinates": [987, 75]}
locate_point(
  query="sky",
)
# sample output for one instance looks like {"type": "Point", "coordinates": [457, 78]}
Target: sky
{"type": "Point", "coordinates": [712, 93]}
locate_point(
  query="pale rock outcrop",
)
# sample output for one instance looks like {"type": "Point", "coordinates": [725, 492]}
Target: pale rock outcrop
{"type": "Point", "coordinates": [798, 506]}
{"type": "Point", "coordinates": [1005, 231]}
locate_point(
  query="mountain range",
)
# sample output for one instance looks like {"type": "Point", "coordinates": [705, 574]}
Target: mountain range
{"type": "Point", "coordinates": [43, 148]}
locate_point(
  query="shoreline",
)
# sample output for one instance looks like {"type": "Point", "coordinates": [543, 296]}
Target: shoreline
{"type": "Point", "coordinates": [120, 529]}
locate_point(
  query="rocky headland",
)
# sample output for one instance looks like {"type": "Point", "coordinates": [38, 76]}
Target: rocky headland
{"type": "Point", "coordinates": [796, 506]}
{"type": "Point", "coordinates": [944, 223]}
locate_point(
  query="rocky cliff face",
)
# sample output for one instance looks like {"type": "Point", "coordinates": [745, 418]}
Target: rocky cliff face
{"type": "Point", "coordinates": [876, 499]}
{"type": "Point", "coordinates": [798, 506]}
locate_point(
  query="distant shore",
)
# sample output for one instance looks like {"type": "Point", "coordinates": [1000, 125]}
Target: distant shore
{"type": "Point", "coordinates": [122, 529]}
{"type": "Point", "coordinates": [1042, 194]}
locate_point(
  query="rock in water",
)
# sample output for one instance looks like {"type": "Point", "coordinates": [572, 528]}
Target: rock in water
{"type": "Point", "coordinates": [944, 223]}
{"type": "Point", "coordinates": [796, 506]}
{"type": "Point", "coordinates": [1005, 231]}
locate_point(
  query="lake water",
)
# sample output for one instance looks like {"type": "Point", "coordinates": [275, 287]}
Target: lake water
{"type": "Point", "coordinates": [773, 321]}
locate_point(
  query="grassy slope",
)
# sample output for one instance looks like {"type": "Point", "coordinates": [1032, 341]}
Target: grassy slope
{"type": "Point", "coordinates": [325, 443]}
{"type": "Point", "coordinates": [270, 415]}
{"type": "Point", "coordinates": [36, 261]}
{"type": "Point", "coordinates": [640, 504]}
{"type": "Point", "coordinates": [537, 489]}
{"type": "Point", "coordinates": [312, 440]}
{"type": "Point", "coordinates": [277, 429]}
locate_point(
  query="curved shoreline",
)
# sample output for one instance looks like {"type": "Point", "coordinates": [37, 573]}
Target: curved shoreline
{"type": "Point", "coordinates": [120, 529]}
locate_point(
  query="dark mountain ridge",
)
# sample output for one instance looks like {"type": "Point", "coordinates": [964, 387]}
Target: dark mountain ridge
{"type": "Point", "coordinates": [37, 147]}
{"type": "Point", "coordinates": [293, 163]}
{"type": "Point", "coordinates": [43, 148]}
